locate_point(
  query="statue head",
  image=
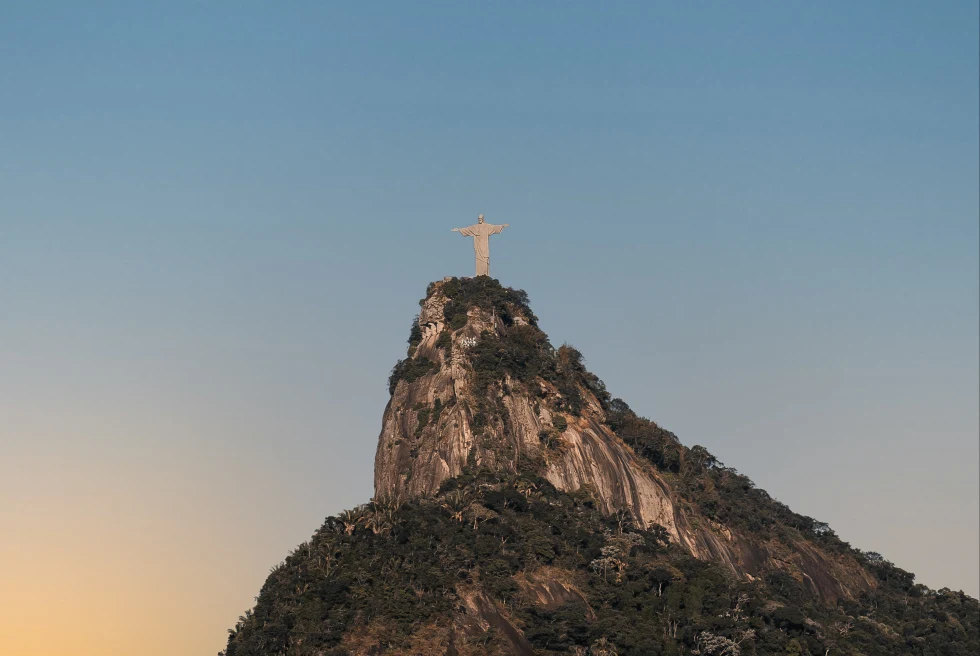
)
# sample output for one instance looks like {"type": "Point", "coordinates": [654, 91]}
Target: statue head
{"type": "Point", "coordinates": [480, 218]}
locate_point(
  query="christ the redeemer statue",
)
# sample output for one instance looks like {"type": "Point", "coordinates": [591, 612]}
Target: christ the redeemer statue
{"type": "Point", "coordinates": [480, 232]}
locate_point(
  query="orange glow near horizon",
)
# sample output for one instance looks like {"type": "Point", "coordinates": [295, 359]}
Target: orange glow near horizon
{"type": "Point", "coordinates": [102, 559]}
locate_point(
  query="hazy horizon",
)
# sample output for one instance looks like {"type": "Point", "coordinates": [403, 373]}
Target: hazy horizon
{"type": "Point", "coordinates": [759, 224]}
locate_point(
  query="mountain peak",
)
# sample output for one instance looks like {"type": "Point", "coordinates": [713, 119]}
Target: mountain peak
{"type": "Point", "coordinates": [481, 382]}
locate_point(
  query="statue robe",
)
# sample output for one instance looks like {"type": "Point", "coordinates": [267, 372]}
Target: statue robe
{"type": "Point", "coordinates": [480, 232]}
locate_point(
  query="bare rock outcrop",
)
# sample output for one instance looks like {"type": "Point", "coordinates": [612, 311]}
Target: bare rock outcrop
{"type": "Point", "coordinates": [443, 416]}
{"type": "Point", "coordinates": [432, 427]}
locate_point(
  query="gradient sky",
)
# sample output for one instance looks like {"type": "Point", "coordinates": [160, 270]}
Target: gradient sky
{"type": "Point", "coordinates": [758, 221]}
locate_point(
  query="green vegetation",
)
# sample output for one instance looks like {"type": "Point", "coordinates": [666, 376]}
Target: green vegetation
{"type": "Point", "coordinates": [657, 445]}
{"type": "Point", "coordinates": [487, 294]}
{"type": "Point", "coordinates": [387, 570]}
{"type": "Point", "coordinates": [414, 335]}
{"type": "Point", "coordinates": [445, 340]}
{"type": "Point", "coordinates": [427, 415]}
{"type": "Point", "coordinates": [410, 370]}
{"type": "Point", "coordinates": [524, 353]}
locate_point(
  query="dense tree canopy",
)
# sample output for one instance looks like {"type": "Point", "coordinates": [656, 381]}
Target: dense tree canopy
{"type": "Point", "coordinates": [390, 569]}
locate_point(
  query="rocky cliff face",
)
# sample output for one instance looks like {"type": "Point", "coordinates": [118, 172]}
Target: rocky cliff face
{"type": "Point", "coordinates": [428, 432]}
{"type": "Point", "coordinates": [461, 399]}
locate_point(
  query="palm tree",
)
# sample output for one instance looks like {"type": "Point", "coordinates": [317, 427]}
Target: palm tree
{"type": "Point", "coordinates": [456, 503]}
{"type": "Point", "coordinates": [603, 647]}
{"type": "Point", "coordinates": [351, 518]}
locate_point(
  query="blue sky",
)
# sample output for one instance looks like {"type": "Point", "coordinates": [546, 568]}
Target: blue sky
{"type": "Point", "coordinates": [759, 223]}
